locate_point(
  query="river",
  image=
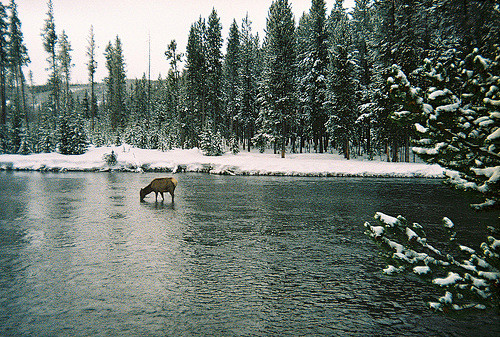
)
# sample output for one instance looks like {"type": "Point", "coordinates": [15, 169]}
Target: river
{"type": "Point", "coordinates": [234, 256]}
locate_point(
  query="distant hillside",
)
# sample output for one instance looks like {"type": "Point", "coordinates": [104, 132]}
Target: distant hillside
{"type": "Point", "coordinates": [42, 92]}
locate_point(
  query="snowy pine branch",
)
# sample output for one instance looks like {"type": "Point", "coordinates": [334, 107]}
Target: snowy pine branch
{"type": "Point", "coordinates": [471, 277]}
{"type": "Point", "coordinates": [459, 131]}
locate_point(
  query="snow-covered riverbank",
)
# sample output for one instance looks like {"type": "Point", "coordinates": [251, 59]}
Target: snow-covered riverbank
{"type": "Point", "coordinates": [134, 159]}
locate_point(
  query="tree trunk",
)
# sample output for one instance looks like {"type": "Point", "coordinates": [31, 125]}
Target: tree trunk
{"type": "Point", "coordinates": [347, 154]}
{"type": "Point", "coordinates": [407, 148]}
{"type": "Point", "coordinates": [368, 141]}
{"type": "Point", "coordinates": [395, 149]}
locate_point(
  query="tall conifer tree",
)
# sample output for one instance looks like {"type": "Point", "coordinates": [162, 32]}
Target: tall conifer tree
{"type": "Point", "coordinates": [316, 76]}
{"type": "Point", "coordinates": [342, 81]}
{"type": "Point", "coordinates": [17, 56]}
{"type": "Point", "coordinates": [231, 79]}
{"type": "Point", "coordinates": [248, 79]}
{"type": "Point", "coordinates": [196, 95]}
{"type": "Point", "coordinates": [3, 63]}
{"type": "Point", "coordinates": [214, 69]}
{"type": "Point", "coordinates": [278, 78]}
{"type": "Point", "coordinates": [64, 57]}
{"type": "Point", "coordinates": [116, 85]}
{"type": "Point", "coordinates": [92, 66]}
{"type": "Point", "coordinates": [49, 36]}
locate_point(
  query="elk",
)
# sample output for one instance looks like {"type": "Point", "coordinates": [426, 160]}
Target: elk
{"type": "Point", "coordinates": [160, 185]}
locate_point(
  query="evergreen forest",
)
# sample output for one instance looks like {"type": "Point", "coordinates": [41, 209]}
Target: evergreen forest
{"type": "Point", "coordinates": [356, 82]}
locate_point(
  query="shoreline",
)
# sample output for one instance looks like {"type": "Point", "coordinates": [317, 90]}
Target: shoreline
{"type": "Point", "coordinates": [130, 159]}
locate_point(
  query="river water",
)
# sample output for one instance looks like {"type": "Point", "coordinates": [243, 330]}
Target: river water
{"type": "Point", "coordinates": [234, 256]}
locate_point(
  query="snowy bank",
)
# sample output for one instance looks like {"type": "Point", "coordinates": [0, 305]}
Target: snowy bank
{"type": "Point", "coordinates": [134, 159]}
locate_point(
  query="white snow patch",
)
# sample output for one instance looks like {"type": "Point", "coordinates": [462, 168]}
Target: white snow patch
{"type": "Point", "coordinates": [411, 234]}
{"type": "Point", "coordinates": [386, 219]}
{"type": "Point", "coordinates": [377, 231]}
{"type": "Point", "coordinates": [421, 270]}
{"type": "Point", "coordinates": [447, 298]}
{"type": "Point", "coordinates": [467, 249]}
{"type": "Point", "coordinates": [490, 275]}
{"type": "Point", "coordinates": [306, 164]}
{"type": "Point", "coordinates": [452, 278]}
{"type": "Point", "coordinates": [391, 270]}
{"type": "Point", "coordinates": [435, 306]}
{"type": "Point", "coordinates": [448, 223]}
{"type": "Point", "coordinates": [420, 128]}
{"type": "Point", "coordinates": [494, 135]}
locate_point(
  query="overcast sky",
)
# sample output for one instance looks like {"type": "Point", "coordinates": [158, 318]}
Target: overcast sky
{"type": "Point", "coordinates": [132, 21]}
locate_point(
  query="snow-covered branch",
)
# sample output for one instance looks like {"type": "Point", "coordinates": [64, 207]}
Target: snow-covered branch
{"type": "Point", "coordinates": [471, 277]}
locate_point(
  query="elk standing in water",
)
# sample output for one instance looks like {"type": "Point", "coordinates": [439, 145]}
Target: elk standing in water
{"type": "Point", "coordinates": [160, 185]}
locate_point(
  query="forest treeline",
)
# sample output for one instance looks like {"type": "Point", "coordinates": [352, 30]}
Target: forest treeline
{"type": "Point", "coordinates": [317, 84]}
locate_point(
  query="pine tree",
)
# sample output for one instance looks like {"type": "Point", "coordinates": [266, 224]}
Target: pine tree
{"type": "Point", "coordinates": [3, 65]}
{"type": "Point", "coordinates": [139, 129]}
{"type": "Point", "coordinates": [231, 80]}
{"type": "Point", "coordinates": [173, 90]}
{"type": "Point", "coordinates": [64, 133]}
{"type": "Point", "coordinates": [248, 82]}
{"type": "Point", "coordinates": [26, 146]}
{"type": "Point", "coordinates": [362, 37]}
{"type": "Point", "coordinates": [64, 58]}
{"type": "Point", "coordinates": [303, 67]}
{"type": "Point", "coordinates": [49, 43]}
{"type": "Point", "coordinates": [316, 76]}
{"type": "Point", "coordinates": [4, 132]}
{"type": "Point", "coordinates": [211, 141]}
{"type": "Point", "coordinates": [384, 40]}
{"type": "Point", "coordinates": [92, 67]}
{"type": "Point", "coordinates": [116, 86]}
{"type": "Point", "coordinates": [194, 117]}
{"type": "Point", "coordinates": [72, 138]}
{"type": "Point", "coordinates": [17, 56]}
{"type": "Point", "coordinates": [45, 141]}
{"type": "Point", "coordinates": [459, 131]}
{"type": "Point", "coordinates": [467, 24]}
{"type": "Point", "coordinates": [214, 69]}
{"type": "Point", "coordinates": [342, 85]}
{"type": "Point", "coordinates": [278, 77]}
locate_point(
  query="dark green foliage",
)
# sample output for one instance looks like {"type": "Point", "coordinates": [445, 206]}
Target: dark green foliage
{"type": "Point", "coordinates": [342, 84]}
{"type": "Point", "coordinates": [196, 95]}
{"type": "Point", "coordinates": [320, 85]}
{"type": "Point", "coordinates": [71, 136]}
{"type": "Point", "coordinates": [278, 85]}
{"type": "Point", "coordinates": [111, 158]}
{"type": "Point", "coordinates": [231, 80]}
{"type": "Point", "coordinates": [115, 84]}
{"type": "Point", "coordinates": [316, 73]}
{"type": "Point", "coordinates": [247, 85]}
{"type": "Point", "coordinates": [92, 67]}
{"type": "Point", "coordinates": [49, 37]}
{"type": "Point", "coordinates": [214, 70]}
{"type": "Point", "coordinates": [64, 58]}
{"type": "Point", "coordinates": [469, 276]}
{"type": "Point", "coordinates": [211, 142]}
{"type": "Point", "coordinates": [3, 67]}
{"type": "Point", "coordinates": [458, 130]}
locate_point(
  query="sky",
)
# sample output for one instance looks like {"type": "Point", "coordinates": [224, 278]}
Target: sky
{"type": "Point", "coordinates": [134, 22]}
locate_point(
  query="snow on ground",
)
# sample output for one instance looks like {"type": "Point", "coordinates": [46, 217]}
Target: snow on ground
{"type": "Point", "coordinates": [243, 163]}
